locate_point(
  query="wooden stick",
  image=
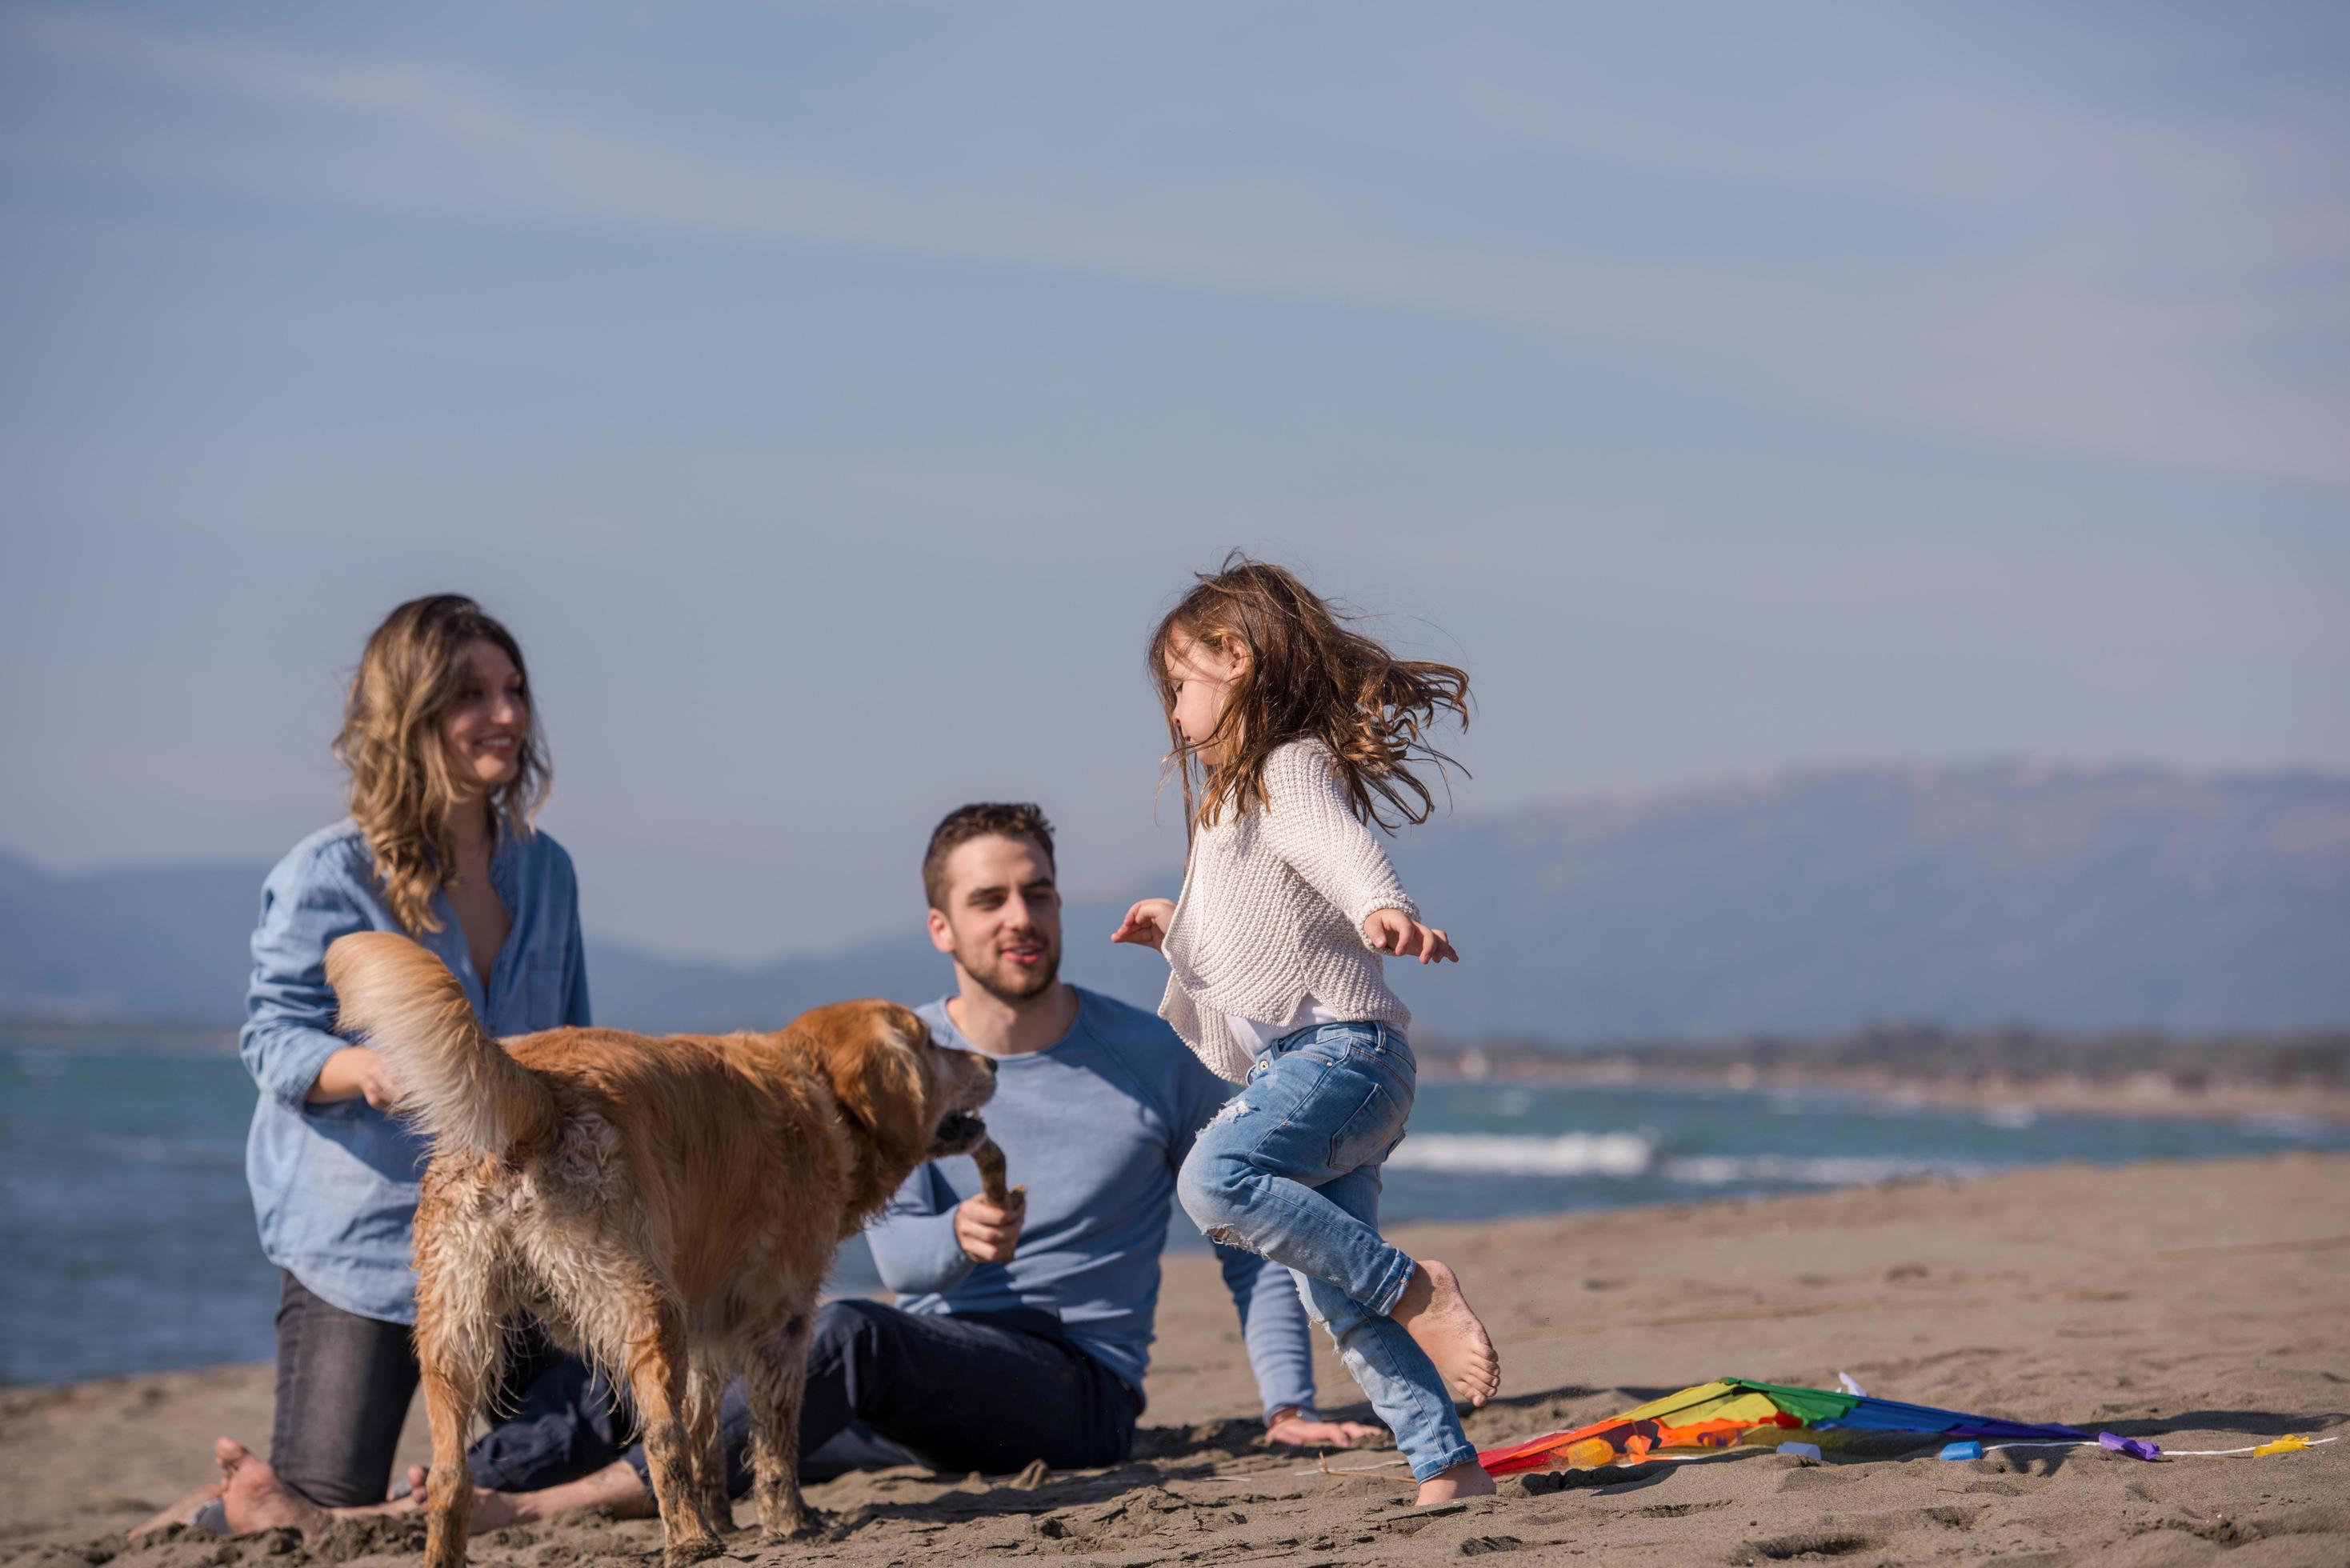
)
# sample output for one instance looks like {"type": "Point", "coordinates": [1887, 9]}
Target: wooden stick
{"type": "Point", "coordinates": [990, 1160]}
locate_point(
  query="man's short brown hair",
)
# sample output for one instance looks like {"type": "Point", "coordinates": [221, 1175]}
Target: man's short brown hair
{"type": "Point", "coordinates": [1012, 819]}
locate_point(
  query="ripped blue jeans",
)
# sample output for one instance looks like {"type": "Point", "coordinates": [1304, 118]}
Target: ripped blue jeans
{"type": "Point", "coordinates": [1290, 1169]}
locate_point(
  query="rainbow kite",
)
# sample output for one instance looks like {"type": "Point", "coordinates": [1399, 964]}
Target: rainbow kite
{"type": "Point", "coordinates": [1720, 1415]}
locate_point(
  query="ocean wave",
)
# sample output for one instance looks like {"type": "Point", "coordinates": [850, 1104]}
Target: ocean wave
{"type": "Point", "coordinates": [1622, 1154]}
{"type": "Point", "coordinates": [1510, 1153]}
{"type": "Point", "coordinates": [1806, 1170]}
{"type": "Point", "coordinates": [2285, 1124]}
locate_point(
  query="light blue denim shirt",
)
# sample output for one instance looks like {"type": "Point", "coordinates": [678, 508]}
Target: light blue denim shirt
{"type": "Point", "coordinates": [334, 1186]}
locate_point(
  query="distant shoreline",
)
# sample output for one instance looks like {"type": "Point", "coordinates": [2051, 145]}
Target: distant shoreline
{"type": "Point", "coordinates": [2219, 1077]}
{"type": "Point", "coordinates": [2129, 1074]}
{"type": "Point", "coordinates": [2149, 1093]}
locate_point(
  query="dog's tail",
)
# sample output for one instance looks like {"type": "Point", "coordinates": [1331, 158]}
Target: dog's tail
{"type": "Point", "coordinates": [456, 1083]}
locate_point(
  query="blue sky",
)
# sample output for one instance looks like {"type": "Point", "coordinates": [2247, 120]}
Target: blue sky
{"type": "Point", "coordinates": [830, 396]}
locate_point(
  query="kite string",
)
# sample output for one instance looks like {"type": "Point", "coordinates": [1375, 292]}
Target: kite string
{"type": "Point", "coordinates": [2062, 1443]}
{"type": "Point", "coordinates": [1654, 1457]}
{"type": "Point", "coordinates": [2167, 1453]}
{"type": "Point", "coordinates": [2217, 1453]}
{"type": "Point", "coordinates": [1989, 1448]}
{"type": "Point", "coordinates": [1348, 1469]}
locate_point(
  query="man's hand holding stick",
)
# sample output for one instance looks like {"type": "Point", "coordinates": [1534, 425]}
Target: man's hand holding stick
{"type": "Point", "coordinates": [987, 1228]}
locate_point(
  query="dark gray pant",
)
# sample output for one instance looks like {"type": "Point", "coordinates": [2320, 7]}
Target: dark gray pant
{"type": "Point", "coordinates": [987, 1391]}
{"type": "Point", "coordinates": [344, 1384]}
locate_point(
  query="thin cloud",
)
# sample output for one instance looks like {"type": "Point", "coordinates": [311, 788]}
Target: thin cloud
{"type": "Point", "coordinates": [2067, 348]}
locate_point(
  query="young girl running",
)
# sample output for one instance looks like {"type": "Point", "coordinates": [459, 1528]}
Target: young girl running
{"type": "Point", "coordinates": [1300, 731]}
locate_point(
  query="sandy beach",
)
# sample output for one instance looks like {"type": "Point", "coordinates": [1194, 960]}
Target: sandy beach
{"type": "Point", "coordinates": [2197, 1304]}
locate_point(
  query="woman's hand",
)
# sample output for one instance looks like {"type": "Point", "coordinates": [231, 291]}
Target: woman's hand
{"type": "Point", "coordinates": [355, 1073]}
{"type": "Point", "coordinates": [1393, 932]}
{"type": "Point", "coordinates": [1146, 923]}
{"type": "Point", "coordinates": [1294, 1428]}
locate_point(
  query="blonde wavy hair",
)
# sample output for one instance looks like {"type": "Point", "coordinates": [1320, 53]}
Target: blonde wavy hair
{"type": "Point", "coordinates": [1310, 676]}
{"type": "Point", "coordinates": [403, 782]}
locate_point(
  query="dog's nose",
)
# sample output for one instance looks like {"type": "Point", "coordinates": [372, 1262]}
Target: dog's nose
{"type": "Point", "coordinates": [989, 1062]}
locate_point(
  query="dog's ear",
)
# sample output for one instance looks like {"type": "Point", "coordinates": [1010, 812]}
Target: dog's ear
{"type": "Point", "coordinates": [869, 1053]}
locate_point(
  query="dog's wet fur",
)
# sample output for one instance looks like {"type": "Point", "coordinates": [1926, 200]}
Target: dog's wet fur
{"type": "Point", "coordinates": [668, 1206]}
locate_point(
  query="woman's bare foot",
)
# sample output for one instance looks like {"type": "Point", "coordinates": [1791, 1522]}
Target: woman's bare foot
{"type": "Point", "coordinates": [1467, 1478]}
{"type": "Point", "coordinates": [1437, 1315]}
{"type": "Point", "coordinates": [179, 1511]}
{"type": "Point", "coordinates": [257, 1499]}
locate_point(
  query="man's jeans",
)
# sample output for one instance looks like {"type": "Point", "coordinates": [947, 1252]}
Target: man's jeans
{"type": "Point", "coordinates": [1290, 1169]}
{"type": "Point", "coordinates": [984, 1392]}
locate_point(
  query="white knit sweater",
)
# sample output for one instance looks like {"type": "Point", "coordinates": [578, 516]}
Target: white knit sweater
{"type": "Point", "coordinates": [1272, 912]}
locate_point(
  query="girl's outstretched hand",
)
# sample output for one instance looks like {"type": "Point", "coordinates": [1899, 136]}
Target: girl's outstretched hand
{"type": "Point", "coordinates": [1146, 923]}
{"type": "Point", "coordinates": [1393, 932]}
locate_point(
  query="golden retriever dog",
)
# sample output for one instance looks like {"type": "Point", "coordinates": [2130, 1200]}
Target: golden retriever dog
{"type": "Point", "coordinates": [668, 1206]}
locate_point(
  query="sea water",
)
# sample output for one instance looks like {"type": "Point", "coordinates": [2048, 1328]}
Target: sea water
{"type": "Point", "coordinates": [126, 1239]}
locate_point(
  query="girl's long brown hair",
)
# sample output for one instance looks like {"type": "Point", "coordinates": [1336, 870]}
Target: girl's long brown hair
{"type": "Point", "coordinates": [1309, 676]}
{"type": "Point", "coordinates": [402, 781]}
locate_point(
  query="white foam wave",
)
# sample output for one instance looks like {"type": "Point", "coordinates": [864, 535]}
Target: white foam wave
{"type": "Point", "coordinates": [1621, 1155]}
{"type": "Point", "coordinates": [2305, 1129]}
{"type": "Point", "coordinates": [1806, 1170]}
{"type": "Point", "coordinates": [1498, 1154]}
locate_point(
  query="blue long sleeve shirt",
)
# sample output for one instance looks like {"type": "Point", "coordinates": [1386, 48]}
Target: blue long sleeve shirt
{"type": "Point", "coordinates": [334, 1186]}
{"type": "Point", "coordinates": [1096, 1125]}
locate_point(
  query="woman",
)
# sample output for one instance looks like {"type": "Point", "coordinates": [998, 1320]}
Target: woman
{"type": "Point", "coordinates": [447, 768]}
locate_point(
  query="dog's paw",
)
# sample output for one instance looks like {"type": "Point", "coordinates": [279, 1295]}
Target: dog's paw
{"type": "Point", "coordinates": [681, 1553]}
{"type": "Point", "coordinates": [808, 1523]}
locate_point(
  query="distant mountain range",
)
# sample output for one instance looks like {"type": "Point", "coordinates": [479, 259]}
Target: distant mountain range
{"type": "Point", "coordinates": [2068, 898]}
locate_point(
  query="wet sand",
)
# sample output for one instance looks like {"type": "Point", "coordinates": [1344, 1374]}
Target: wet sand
{"type": "Point", "coordinates": [2205, 1306]}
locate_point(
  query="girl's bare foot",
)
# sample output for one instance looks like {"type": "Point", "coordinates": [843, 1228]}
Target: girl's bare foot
{"type": "Point", "coordinates": [179, 1511]}
{"type": "Point", "coordinates": [1437, 1315]}
{"type": "Point", "coordinates": [257, 1499]}
{"type": "Point", "coordinates": [1467, 1478]}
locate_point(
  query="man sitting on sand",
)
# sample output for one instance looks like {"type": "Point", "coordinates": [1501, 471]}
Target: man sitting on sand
{"type": "Point", "coordinates": [1095, 1104]}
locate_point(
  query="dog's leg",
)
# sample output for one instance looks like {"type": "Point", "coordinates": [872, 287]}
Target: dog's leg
{"type": "Point", "coordinates": [657, 1377]}
{"type": "Point", "coordinates": [449, 1404]}
{"type": "Point", "coordinates": [778, 1375]}
{"type": "Point", "coordinates": [705, 1387]}
{"type": "Point", "coordinates": [459, 1343]}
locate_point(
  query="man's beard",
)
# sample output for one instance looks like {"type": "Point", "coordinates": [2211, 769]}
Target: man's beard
{"type": "Point", "coordinates": [1007, 981]}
